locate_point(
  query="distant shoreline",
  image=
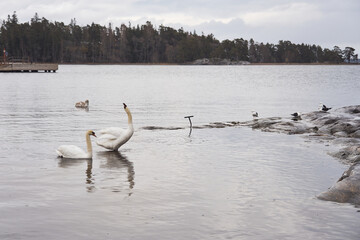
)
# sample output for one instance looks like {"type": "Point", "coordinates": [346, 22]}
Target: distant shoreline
{"type": "Point", "coordinates": [190, 64]}
{"type": "Point", "coordinates": [305, 64]}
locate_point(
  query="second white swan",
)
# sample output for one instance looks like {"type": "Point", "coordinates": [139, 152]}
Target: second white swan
{"type": "Point", "coordinates": [72, 151]}
{"type": "Point", "coordinates": [112, 138]}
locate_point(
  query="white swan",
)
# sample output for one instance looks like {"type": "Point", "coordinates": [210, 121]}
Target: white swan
{"type": "Point", "coordinates": [82, 104]}
{"type": "Point", "coordinates": [112, 138]}
{"type": "Point", "coordinates": [71, 151]}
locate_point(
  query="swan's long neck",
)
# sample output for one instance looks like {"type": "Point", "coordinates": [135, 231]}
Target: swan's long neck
{"type": "Point", "coordinates": [88, 144]}
{"type": "Point", "coordinates": [130, 123]}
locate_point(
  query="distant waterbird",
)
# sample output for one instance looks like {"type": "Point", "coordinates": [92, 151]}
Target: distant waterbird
{"type": "Point", "coordinates": [296, 114]}
{"type": "Point", "coordinates": [323, 108]}
{"type": "Point", "coordinates": [254, 114]}
{"type": "Point", "coordinates": [82, 104]}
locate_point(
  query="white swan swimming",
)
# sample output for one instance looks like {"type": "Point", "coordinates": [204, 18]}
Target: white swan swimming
{"type": "Point", "coordinates": [82, 104]}
{"type": "Point", "coordinates": [71, 151]}
{"type": "Point", "coordinates": [112, 138]}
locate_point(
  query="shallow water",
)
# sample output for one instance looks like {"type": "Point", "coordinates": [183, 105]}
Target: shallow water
{"type": "Point", "coordinates": [228, 183]}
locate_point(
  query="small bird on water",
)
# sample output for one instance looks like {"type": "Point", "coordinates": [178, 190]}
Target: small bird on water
{"type": "Point", "coordinates": [82, 104]}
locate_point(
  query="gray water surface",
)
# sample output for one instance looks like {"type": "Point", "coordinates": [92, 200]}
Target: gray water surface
{"type": "Point", "coordinates": [228, 183]}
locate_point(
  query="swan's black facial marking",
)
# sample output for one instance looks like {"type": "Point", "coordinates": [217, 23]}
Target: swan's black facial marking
{"type": "Point", "coordinates": [93, 133]}
{"type": "Point", "coordinates": [125, 105]}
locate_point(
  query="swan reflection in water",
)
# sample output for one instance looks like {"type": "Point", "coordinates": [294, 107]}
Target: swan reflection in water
{"type": "Point", "coordinates": [114, 163]}
{"type": "Point", "coordinates": [110, 174]}
{"type": "Point", "coordinates": [90, 181]}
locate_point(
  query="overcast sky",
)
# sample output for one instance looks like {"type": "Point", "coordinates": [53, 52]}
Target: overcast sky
{"type": "Point", "coordinates": [322, 22]}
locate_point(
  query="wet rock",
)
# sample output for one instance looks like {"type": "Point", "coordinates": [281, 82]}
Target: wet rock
{"type": "Point", "coordinates": [347, 189]}
{"type": "Point", "coordinates": [356, 134]}
{"type": "Point", "coordinates": [349, 154]}
{"type": "Point", "coordinates": [277, 124]}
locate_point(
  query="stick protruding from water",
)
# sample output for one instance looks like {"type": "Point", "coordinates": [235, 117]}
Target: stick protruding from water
{"type": "Point", "coordinates": [189, 117]}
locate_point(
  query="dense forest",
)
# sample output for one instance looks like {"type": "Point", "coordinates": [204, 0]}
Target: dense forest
{"type": "Point", "coordinates": [43, 41]}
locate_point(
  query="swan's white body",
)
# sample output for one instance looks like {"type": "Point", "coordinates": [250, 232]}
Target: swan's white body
{"type": "Point", "coordinates": [71, 151]}
{"type": "Point", "coordinates": [113, 137]}
{"type": "Point", "coordinates": [82, 104]}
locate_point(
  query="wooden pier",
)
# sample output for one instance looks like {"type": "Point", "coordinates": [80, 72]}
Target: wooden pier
{"type": "Point", "coordinates": [28, 67]}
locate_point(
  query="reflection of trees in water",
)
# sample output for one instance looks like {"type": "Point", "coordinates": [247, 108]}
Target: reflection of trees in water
{"type": "Point", "coordinates": [65, 163]}
{"type": "Point", "coordinates": [115, 161]}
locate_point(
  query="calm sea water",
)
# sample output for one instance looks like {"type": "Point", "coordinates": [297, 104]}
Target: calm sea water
{"type": "Point", "coordinates": [230, 183]}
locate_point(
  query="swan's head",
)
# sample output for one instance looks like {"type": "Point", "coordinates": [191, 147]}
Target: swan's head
{"type": "Point", "coordinates": [87, 102]}
{"type": "Point", "coordinates": [91, 133]}
{"type": "Point", "coordinates": [125, 105]}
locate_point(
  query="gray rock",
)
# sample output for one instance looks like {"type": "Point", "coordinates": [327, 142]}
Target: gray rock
{"type": "Point", "coordinates": [347, 189]}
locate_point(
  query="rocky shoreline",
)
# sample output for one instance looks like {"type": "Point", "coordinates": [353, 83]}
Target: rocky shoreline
{"type": "Point", "coordinates": [340, 127]}
{"type": "Point", "coordinates": [217, 61]}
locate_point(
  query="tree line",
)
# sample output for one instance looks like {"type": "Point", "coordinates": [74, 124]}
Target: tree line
{"type": "Point", "coordinates": [43, 41]}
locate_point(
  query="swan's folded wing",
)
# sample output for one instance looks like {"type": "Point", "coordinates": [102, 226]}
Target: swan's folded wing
{"type": "Point", "coordinates": [114, 131]}
{"type": "Point", "coordinates": [70, 151]}
{"type": "Point", "coordinates": [106, 141]}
